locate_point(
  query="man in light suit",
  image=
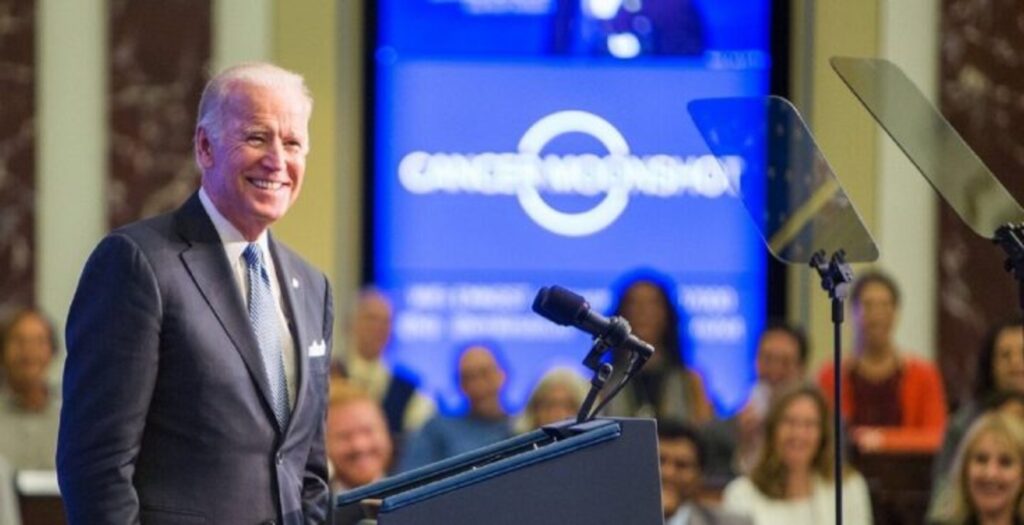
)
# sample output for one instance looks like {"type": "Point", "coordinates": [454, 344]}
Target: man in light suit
{"type": "Point", "coordinates": [198, 345]}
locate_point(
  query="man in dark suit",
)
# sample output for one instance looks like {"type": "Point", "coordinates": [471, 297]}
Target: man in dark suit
{"type": "Point", "coordinates": [198, 345]}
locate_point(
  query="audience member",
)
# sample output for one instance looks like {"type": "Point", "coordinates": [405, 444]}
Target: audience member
{"type": "Point", "coordinates": [370, 330]}
{"type": "Point", "coordinates": [735, 444]}
{"type": "Point", "coordinates": [681, 452]}
{"type": "Point", "coordinates": [557, 396]}
{"type": "Point", "coordinates": [1000, 370]}
{"type": "Point", "coordinates": [481, 379]}
{"type": "Point", "coordinates": [988, 472]}
{"type": "Point", "coordinates": [792, 483]}
{"type": "Point", "coordinates": [358, 443]}
{"type": "Point", "coordinates": [665, 388]}
{"type": "Point", "coordinates": [1007, 402]}
{"type": "Point", "coordinates": [878, 373]}
{"type": "Point", "coordinates": [29, 411]}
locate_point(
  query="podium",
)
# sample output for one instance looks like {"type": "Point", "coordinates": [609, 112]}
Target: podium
{"type": "Point", "coordinates": [604, 471]}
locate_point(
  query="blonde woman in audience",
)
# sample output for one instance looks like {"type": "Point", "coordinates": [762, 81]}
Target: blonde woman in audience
{"type": "Point", "coordinates": [557, 396]}
{"type": "Point", "coordinates": [988, 474]}
{"type": "Point", "coordinates": [792, 484]}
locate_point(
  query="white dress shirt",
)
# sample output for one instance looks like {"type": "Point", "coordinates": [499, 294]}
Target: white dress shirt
{"type": "Point", "coordinates": [234, 245]}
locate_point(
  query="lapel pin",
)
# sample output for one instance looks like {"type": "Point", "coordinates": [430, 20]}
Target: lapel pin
{"type": "Point", "coordinates": [295, 283]}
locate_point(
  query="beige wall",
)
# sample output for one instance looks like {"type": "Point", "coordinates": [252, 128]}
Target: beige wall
{"type": "Point", "coordinates": [892, 198]}
{"type": "Point", "coordinates": [322, 40]}
{"type": "Point", "coordinates": [71, 152]}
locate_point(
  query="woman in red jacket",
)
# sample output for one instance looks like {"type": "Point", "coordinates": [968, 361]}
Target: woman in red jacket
{"type": "Point", "coordinates": [878, 373]}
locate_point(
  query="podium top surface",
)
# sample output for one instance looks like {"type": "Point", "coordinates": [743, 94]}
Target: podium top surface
{"type": "Point", "coordinates": [481, 464]}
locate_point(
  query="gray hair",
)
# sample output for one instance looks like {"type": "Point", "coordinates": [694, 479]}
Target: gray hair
{"type": "Point", "coordinates": [217, 90]}
{"type": "Point", "coordinates": [558, 377]}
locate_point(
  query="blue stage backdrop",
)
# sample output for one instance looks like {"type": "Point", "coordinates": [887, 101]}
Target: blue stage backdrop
{"type": "Point", "coordinates": [523, 143]}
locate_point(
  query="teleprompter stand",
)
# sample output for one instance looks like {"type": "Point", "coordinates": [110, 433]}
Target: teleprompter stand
{"type": "Point", "coordinates": [1010, 237]}
{"type": "Point", "coordinates": [836, 277]}
{"type": "Point", "coordinates": [796, 202]}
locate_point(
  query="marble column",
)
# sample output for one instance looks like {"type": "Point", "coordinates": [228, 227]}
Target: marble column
{"type": "Point", "coordinates": [159, 58]}
{"type": "Point", "coordinates": [17, 153]}
{"type": "Point", "coordinates": [982, 94]}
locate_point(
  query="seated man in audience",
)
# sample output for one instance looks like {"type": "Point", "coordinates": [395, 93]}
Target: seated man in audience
{"type": "Point", "coordinates": [358, 443]}
{"type": "Point", "coordinates": [481, 379]}
{"type": "Point", "coordinates": [891, 401]}
{"type": "Point", "coordinates": [370, 330]}
{"type": "Point", "coordinates": [682, 459]}
{"type": "Point", "coordinates": [29, 411]}
{"type": "Point", "coordinates": [734, 445]}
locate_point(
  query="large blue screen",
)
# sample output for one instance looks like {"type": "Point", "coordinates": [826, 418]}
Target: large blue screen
{"type": "Point", "coordinates": [523, 143]}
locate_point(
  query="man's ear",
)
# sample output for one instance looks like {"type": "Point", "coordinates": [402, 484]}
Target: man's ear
{"type": "Point", "coordinates": [204, 148]}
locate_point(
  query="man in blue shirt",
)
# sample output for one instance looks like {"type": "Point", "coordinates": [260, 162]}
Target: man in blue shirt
{"type": "Point", "coordinates": [481, 379]}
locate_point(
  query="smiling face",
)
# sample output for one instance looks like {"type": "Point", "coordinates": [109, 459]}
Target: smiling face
{"type": "Point", "coordinates": [993, 475]}
{"type": "Point", "coordinates": [778, 359]}
{"type": "Point", "coordinates": [1008, 360]}
{"type": "Point", "coordinates": [358, 443]}
{"type": "Point", "coordinates": [27, 351]}
{"type": "Point", "coordinates": [680, 472]}
{"type": "Point", "coordinates": [253, 168]}
{"type": "Point", "coordinates": [798, 434]}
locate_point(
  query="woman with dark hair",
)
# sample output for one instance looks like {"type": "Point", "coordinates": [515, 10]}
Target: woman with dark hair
{"type": "Point", "coordinates": [29, 408]}
{"type": "Point", "coordinates": [665, 388]}
{"type": "Point", "coordinates": [987, 487]}
{"type": "Point", "coordinates": [1000, 372]}
{"type": "Point", "coordinates": [792, 483]}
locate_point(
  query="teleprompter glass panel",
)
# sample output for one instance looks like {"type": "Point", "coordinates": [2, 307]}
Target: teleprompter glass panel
{"type": "Point", "coordinates": [784, 180]}
{"type": "Point", "coordinates": [931, 143]}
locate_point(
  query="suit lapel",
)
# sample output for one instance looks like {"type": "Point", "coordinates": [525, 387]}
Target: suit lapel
{"type": "Point", "coordinates": [291, 294]}
{"type": "Point", "coordinates": [207, 264]}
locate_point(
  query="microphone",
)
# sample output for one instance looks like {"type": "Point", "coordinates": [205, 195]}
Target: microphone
{"type": "Point", "coordinates": [563, 307]}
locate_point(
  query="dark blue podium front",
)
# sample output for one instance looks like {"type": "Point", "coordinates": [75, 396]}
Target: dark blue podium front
{"type": "Point", "coordinates": [601, 472]}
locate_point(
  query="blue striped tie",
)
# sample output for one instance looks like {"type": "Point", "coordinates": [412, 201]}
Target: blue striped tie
{"type": "Point", "coordinates": [267, 327]}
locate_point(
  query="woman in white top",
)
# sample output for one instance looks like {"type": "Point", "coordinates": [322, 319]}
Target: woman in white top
{"type": "Point", "coordinates": [792, 483]}
{"type": "Point", "coordinates": [986, 485]}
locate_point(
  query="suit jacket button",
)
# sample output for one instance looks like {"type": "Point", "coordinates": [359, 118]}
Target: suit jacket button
{"type": "Point", "coordinates": [280, 458]}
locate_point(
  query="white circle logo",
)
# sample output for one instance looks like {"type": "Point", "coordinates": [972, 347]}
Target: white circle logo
{"type": "Point", "coordinates": [581, 223]}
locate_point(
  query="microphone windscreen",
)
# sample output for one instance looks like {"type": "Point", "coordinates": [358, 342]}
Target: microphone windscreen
{"type": "Point", "coordinates": [560, 306]}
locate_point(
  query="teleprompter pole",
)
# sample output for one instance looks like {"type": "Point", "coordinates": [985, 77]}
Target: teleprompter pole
{"type": "Point", "coordinates": [836, 277]}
